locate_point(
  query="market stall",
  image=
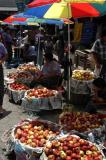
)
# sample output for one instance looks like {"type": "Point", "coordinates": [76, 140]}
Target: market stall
{"type": "Point", "coordinates": [81, 83]}
{"type": "Point", "coordinates": [44, 140]}
{"type": "Point", "coordinates": [33, 99]}
{"type": "Point", "coordinates": [41, 99]}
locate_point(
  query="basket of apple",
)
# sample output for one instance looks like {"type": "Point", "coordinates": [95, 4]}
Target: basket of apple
{"type": "Point", "coordinates": [24, 77]}
{"type": "Point", "coordinates": [16, 91]}
{"type": "Point", "coordinates": [40, 93]}
{"type": "Point", "coordinates": [10, 77]}
{"type": "Point", "coordinates": [83, 75]}
{"type": "Point", "coordinates": [71, 147]}
{"type": "Point", "coordinates": [29, 68]}
{"type": "Point", "coordinates": [33, 134]}
{"type": "Point", "coordinates": [80, 121]}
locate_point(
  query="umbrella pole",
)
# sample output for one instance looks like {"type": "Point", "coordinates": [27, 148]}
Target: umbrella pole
{"type": "Point", "coordinates": [38, 56]}
{"type": "Point", "coordinates": [69, 57]}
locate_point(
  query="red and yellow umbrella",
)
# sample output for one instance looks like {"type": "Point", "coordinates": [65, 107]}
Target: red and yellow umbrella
{"type": "Point", "coordinates": [37, 3]}
{"type": "Point", "coordinates": [65, 9]}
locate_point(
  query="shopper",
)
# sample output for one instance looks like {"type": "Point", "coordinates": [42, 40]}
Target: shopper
{"type": "Point", "coordinates": [30, 52]}
{"type": "Point", "coordinates": [98, 99]}
{"type": "Point", "coordinates": [8, 44]}
{"type": "Point", "coordinates": [99, 54]}
{"type": "Point", "coordinates": [59, 48]}
{"type": "Point", "coordinates": [3, 55]}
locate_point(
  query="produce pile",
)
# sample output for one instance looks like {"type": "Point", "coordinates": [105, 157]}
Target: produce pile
{"type": "Point", "coordinates": [40, 93]}
{"type": "Point", "coordinates": [12, 75]}
{"type": "Point", "coordinates": [72, 148]}
{"type": "Point", "coordinates": [35, 134]}
{"type": "Point", "coordinates": [18, 86]}
{"type": "Point", "coordinates": [82, 75]}
{"type": "Point", "coordinates": [29, 68]}
{"type": "Point", "coordinates": [24, 77]}
{"type": "Point", "coordinates": [80, 121]}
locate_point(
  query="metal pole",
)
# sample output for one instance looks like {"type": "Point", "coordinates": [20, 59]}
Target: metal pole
{"type": "Point", "coordinates": [38, 56]}
{"type": "Point", "coordinates": [69, 55]}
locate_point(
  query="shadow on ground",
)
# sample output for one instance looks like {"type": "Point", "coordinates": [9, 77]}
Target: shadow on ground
{"type": "Point", "coordinates": [6, 113]}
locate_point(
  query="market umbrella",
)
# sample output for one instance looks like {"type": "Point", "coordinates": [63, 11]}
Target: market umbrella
{"type": "Point", "coordinates": [37, 3]}
{"type": "Point", "coordinates": [31, 19]}
{"type": "Point", "coordinates": [68, 10]}
{"type": "Point", "coordinates": [10, 19]}
{"type": "Point", "coordinates": [48, 21]}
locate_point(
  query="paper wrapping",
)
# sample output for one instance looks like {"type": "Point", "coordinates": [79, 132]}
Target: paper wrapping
{"type": "Point", "coordinates": [80, 86]}
{"type": "Point", "coordinates": [37, 104]}
{"type": "Point", "coordinates": [16, 95]}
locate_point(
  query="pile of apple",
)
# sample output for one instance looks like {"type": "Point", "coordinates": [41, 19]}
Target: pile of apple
{"type": "Point", "coordinates": [12, 75]}
{"type": "Point", "coordinates": [18, 86]}
{"type": "Point", "coordinates": [72, 148]}
{"type": "Point", "coordinates": [82, 75]}
{"type": "Point", "coordinates": [40, 93]}
{"type": "Point", "coordinates": [34, 134]}
{"type": "Point", "coordinates": [28, 67]}
{"type": "Point", "coordinates": [80, 121]}
{"type": "Point", "coordinates": [23, 75]}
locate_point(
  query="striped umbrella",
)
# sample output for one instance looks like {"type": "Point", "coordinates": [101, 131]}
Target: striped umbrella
{"type": "Point", "coordinates": [68, 10]}
{"type": "Point", "coordinates": [31, 19]}
{"type": "Point", "coordinates": [37, 3]}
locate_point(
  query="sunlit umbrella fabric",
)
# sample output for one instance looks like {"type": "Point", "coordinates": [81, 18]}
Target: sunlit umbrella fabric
{"type": "Point", "coordinates": [67, 10]}
{"type": "Point", "coordinates": [37, 3]}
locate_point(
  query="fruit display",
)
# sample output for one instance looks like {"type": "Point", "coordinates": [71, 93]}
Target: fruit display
{"type": "Point", "coordinates": [28, 67]}
{"type": "Point", "coordinates": [72, 148]}
{"type": "Point", "coordinates": [24, 77]}
{"type": "Point", "coordinates": [40, 93]}
{"type": "Point", "coordinates": [35, 133]}
{"type": "Point", "coordinates": [82, 75]}
{"type": "Point", "coordinates": [80, 121]}
{"type": "Point", "coordinates": [18, 86]}
{"type": "Point", "coordinates": [12, 75]}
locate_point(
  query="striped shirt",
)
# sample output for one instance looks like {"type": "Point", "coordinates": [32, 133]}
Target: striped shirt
{"type": "Point", "coordinates": [99, 47]}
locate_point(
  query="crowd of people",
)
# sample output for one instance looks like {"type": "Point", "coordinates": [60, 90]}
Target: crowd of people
{"type": "Point", "coordinates": [41, 49]}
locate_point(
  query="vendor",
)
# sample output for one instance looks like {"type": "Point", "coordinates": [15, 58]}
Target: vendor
{"type": "Point", "coordinates": [50, 76]}
{"type": "Point", "coordinates": [98, 100]}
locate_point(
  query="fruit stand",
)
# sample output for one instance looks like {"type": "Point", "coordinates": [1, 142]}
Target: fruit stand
{"type": "Point", "coordinates": [81, 82]}
{"type": "Point", "coordinates": [38, 139]}
{"type": "Point", "coordinates": [41, 99]}
{"type": "Point", "coordinates": [16, 91]}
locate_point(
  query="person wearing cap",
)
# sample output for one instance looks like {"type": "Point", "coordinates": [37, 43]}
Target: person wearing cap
{"type": "Point", "coordinates": [99, 54]}
{"type": "Point", "coordinates": [3, 55]}
{"type": "Point", "coordinates": [51, 72]}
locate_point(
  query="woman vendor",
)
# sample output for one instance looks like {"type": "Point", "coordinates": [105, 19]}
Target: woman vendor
{"type": "Point", "coordinates": [3, 55]}
{"type": "Point", "coordinates": [98, 100]}
{"type": "Point", "coordinates": [50, 76]}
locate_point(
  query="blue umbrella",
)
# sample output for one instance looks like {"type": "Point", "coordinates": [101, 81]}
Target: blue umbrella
{"type": "Point", "coordinates": [32, 18]}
